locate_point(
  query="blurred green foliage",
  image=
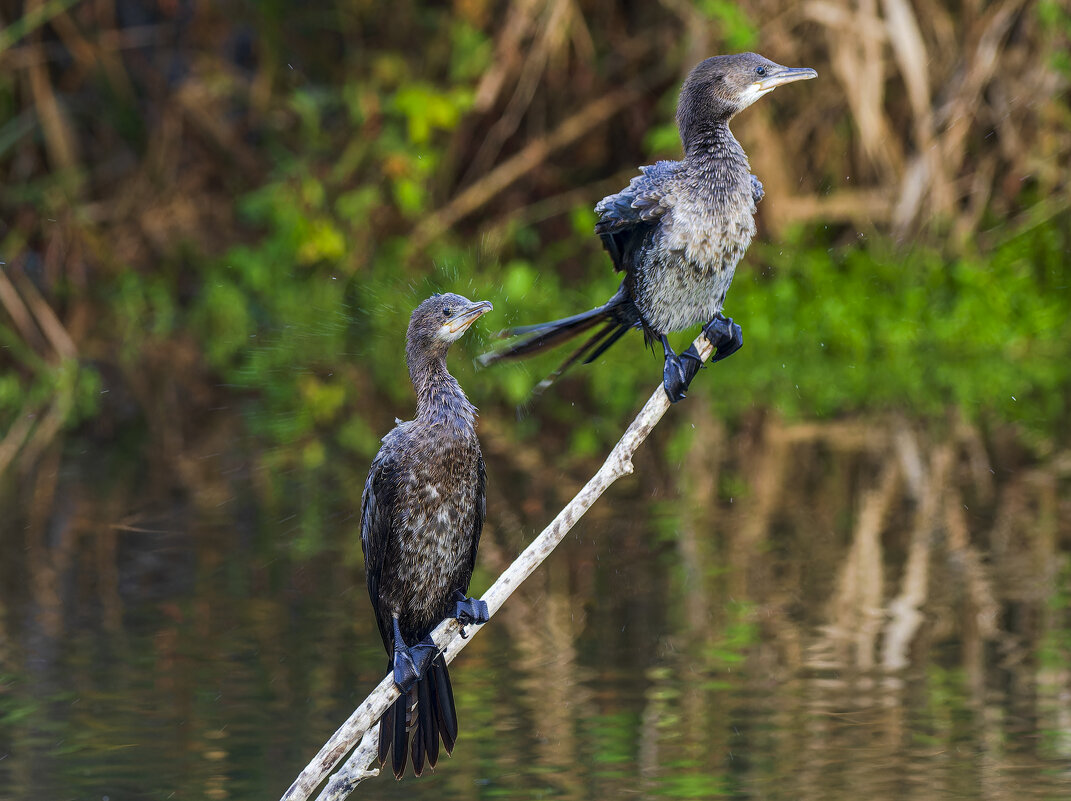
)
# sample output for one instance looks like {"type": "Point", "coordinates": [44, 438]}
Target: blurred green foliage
{"type": "Point", "coordinates": [298, 309]}
{"type": "Point", "coordinates": [308, 317]}
{"type": "Point", "coordinates": [873, 327]}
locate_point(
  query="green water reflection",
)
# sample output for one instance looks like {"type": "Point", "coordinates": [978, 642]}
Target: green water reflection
{"type": "Point", "coordinates": [804, 612]}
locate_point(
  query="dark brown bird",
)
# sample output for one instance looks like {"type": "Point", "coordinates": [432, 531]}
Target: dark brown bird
{"type": "Point", "coordinates": [421, 516]}
{"type": "Point", "coordinates": [677, 231]}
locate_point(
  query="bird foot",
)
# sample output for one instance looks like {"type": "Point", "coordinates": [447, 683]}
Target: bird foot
{"type": "Point", "coordinates": [674, 379]}
{"type": "Point", "coordinates": [725, 335]}
{"type": "Point", "coordinates": [470, 611]}
{"type": "Point", "coordinates": [410, 661]}
{"type": "Point", "coordinates": [691, 364]}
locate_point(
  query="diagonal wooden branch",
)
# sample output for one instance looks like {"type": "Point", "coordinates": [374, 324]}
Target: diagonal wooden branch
{"type": "Point", "coordinates": [360, 725]}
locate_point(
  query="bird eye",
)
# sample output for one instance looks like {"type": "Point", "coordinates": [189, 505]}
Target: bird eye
{"type": "Point", "coordinates": [447, 311]}
{"type": "Point", "coordinates": [760, 70]}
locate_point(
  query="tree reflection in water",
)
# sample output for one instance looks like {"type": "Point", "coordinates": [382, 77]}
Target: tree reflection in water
{"type": "Point", "coordinates": [813, 610]}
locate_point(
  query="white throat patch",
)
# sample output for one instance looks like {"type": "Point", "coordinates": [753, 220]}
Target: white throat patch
{"type": "Point", "coordinates": [753, 93]}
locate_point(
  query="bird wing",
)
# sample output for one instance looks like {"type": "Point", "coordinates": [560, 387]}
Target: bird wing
{"type": "Point", "coordinates": [481, 514]}
{"type": "Point", "coordinates": [380, 490]}
{"type": "Point", "coordinates": [627, 218]}
{"type": "Point", "coordinates": [757, 192]}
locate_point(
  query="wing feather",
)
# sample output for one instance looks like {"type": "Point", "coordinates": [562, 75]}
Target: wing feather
{"type": "Point", "coordinates": [627, 218]}
{"type": "Point", "coordinates": [377, 501]}
{"type": "Point", "coordinates": [481, 515]}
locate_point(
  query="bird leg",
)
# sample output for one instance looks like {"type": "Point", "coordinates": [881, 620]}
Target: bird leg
{"type": "Point", "coordinates": [726, 337]}
{"type": "Point", "coordinates": [410, 661]}
{"type": "Point", "coordinates": [469, 611]}
{"type": "Point", "coordinates": [674, 379]}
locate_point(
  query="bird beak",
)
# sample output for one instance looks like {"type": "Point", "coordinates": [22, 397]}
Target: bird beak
{"type": "Point", "coordinates": [460, 323]}
{"type": "Point", "coordinates": [782, 75]}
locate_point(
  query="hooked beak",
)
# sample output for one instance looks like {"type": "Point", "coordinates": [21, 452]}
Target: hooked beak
{"type": "Point", "coordinates": [460, 322]}
{"type": "Point", "coordinates": [784, 75]}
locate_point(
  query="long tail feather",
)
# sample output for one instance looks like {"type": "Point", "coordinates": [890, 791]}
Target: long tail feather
{"type": "Point", "coordinates": [427, 711]}
{"type": "Point", "coordinates": [401, 736]}
{"type": "Point", "coordinates": [618, 310]}
{"type": "Point", "coordinates": [444, 701]}
{"type": "Point", "coordinates": [618, 315]}
{"type": "Point", "coordinates": [617, 334]}
{"type": "Point", "coordinates": [574, 357]}
{"type": "Point", "coordinates": [426, 716]}
{"type": "Point", "coordinates": [386, 732]}
{"type": "Point", "coordinates": [588, 317]}
{"type": "Point", "coordinates": [543, 336]}
{"type": "Point", "coordinates": [418, 754]}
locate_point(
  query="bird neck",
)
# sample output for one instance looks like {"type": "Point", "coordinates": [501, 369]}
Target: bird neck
{"type": "Point", "coordinates": [712, 142]}
{"type": "Point", "coordinates": [440, 399]}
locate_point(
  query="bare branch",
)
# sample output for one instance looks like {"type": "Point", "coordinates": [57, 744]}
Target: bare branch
{"type": "Point", "coordinates": [360, 725]}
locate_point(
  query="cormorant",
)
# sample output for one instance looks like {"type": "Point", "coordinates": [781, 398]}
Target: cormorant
{"type": "Point", "coordinates": [677, 231]}
{"type": "Point", "coordinates": [421, 516]}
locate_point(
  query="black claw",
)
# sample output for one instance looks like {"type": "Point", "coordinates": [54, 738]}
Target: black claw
{"type": "Point", "coordinates": [726, 336]}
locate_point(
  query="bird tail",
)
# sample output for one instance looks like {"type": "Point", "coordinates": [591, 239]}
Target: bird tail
{"type": "Point", "coordinates": [427, 711]}
{"type": "Point", "coordinates": [615, 319]}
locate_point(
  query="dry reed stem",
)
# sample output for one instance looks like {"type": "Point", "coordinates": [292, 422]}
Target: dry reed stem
{"type": "Point", "coordinates": [534, 154]}
{"type": "Point", "coordinates": [15, 437]}
{"type": "Point", "coordinates": [19, 313]}
{"type": "Point", "coordinates": [47, 320]}
{"type": "Point", "coordinates": [518, 22]}
{"type": "Point", "coordinates": [531, 75]}
{"type": "Point", "coordinates": [31, 433]}
{"type": "Point", "coordinates": [36, 14]}
{"type": "Point", "coordinates": [60, 142]}
{"type": "Point", "coordinates": [361, 724]}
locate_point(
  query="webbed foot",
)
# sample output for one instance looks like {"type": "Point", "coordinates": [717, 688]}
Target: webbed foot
{"type": "Point", "coordinates": [410, 661]}
{"type": "Point", "coordinates": [469, 611]}
{"type": "Point", "coordinates": [691, 364]}
{"type": "Point", "coordinates": [725, 335]}
{"type": "Point", "coordinates": [674, 378]}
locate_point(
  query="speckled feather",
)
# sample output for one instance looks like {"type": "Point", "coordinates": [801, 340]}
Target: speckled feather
{"type": "Point", "coordinates": [423, 510]}
{"type": "Point", "coordinates": [422, 514]}
{"type": "Point", "coordinates": [679, 230]}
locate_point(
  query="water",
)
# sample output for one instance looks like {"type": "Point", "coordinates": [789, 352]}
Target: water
{"type": "Point", "coordinates": [828, 612]}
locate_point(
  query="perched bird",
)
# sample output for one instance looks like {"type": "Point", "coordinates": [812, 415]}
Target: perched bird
{"type": "Point", "coordinates": [677, 231]}
{"type": "Point", "coordinates": [421, 516]}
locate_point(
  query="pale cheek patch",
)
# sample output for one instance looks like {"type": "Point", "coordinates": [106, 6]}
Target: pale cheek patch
{"type": "Point", "coordinates": [753, 93]}
{"type": "Point", "coordinates": [446, 335]}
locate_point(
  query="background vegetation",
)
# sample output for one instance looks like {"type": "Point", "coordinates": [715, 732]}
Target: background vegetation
{"type": "Point", "coordinates": [843, 561]}
{"type": "Point", "coordinates": [211, 209]}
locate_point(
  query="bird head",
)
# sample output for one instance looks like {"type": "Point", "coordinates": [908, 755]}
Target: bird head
{"type": "Point", "coordinates": [722, 86]}
{"type": "Point", "coordinates": [442, 319]}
